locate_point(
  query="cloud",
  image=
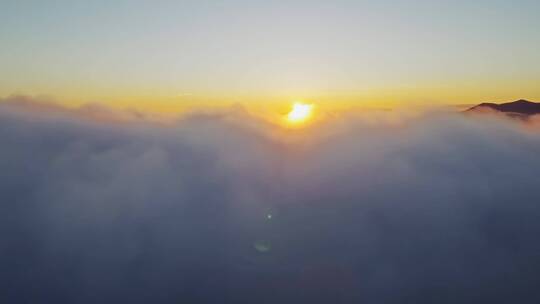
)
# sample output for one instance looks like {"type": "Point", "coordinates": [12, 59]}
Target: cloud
{"type": "Point", "coordinates": [223, 207]}
{"type": "Point", "coordinates": [90, 111]}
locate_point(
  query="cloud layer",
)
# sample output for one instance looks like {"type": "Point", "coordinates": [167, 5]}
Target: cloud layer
{"type": "Point", "coordinates": [224, 208]}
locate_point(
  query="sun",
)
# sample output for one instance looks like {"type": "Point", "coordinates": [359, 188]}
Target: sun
{"type": "Point", "coordinates": [300, 112]}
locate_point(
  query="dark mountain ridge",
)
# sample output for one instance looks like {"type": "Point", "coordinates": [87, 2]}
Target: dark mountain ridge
{"type": "Point", "coordinates": [520, 107]}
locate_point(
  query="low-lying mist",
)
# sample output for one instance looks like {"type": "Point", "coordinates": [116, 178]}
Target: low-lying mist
{"type": "Point", "coordinates": [222, 207]}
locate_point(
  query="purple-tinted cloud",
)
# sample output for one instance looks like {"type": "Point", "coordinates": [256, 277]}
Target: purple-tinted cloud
{"type": "Point", "coordinates": [226, 208]}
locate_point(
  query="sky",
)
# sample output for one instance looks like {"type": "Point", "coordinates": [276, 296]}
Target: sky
{"type": "Point", "coordinates": [136, 168]}
{"type": "Point", "coordinates": [171, 55]}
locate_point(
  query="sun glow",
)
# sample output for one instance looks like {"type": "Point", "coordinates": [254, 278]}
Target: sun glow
{"type": "Point", "coordinates": [300, 112]}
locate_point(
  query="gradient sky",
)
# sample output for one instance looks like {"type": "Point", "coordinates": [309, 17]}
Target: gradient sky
{"type": "Point", "coordinates": [165, 55]}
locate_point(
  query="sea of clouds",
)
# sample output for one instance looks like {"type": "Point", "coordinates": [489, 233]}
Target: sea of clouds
{"type": "Point", "coordinates": [223, 207]}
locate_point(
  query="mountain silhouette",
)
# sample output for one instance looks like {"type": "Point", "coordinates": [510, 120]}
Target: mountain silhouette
{"type": "Point", "coordinates": [519, 108]}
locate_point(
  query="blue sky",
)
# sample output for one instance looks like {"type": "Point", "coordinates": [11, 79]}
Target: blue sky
{"type": "Point", "coordinates": [401, 50]}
